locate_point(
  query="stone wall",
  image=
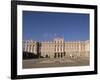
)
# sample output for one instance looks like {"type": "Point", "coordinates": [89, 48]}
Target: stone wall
{"type": "Point", "coordinates": [58, 48]}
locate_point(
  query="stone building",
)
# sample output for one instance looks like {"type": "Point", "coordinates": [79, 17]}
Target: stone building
{"type": "Point", "coordinates": [58, 48]}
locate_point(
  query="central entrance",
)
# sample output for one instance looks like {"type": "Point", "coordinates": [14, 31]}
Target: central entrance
{"type": "Point", "coordinates": [59, 55]}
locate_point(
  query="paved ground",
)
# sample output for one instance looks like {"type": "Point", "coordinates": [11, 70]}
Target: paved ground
{"type": "Point", "coordinates": [42, 63]}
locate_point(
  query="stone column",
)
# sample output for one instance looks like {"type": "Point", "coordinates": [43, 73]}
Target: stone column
{"type": "Point", "coordinates": [25, 46]}
{"type": "Point", "coordinates": [79, 49]}
{"type": "Point", "coordinates": [31, 48]}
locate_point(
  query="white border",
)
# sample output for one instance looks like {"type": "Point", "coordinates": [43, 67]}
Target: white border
{"type": "Point", "coordinates": [21, 71]}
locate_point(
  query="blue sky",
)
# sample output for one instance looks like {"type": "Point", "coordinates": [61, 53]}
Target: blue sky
{"type": "Point", "coordinates": [41, 26]}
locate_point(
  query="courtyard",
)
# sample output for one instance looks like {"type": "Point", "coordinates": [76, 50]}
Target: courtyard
{"type": "Point", "coordinates": [55, 62]}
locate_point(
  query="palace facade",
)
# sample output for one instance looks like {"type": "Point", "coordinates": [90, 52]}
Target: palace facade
{"type": "Point", "coordinates": [58, 48]}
